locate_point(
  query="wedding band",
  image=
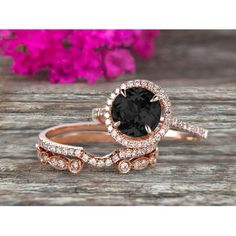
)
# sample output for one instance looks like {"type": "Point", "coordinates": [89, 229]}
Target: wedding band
{"type": "Point", "coordinates": [137, 115]}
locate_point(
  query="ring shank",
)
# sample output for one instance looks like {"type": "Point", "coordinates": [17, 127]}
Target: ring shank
{"type": "Point", "coordinates": [179, 130]}
{"type": "Point", "coordinates": [95, 132]}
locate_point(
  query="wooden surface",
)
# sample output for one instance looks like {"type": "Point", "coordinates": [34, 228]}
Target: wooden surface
{"type": "Point", "coordinates": [198, 70]}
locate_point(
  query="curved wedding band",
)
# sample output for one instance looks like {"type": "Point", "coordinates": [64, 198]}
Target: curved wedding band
{"type": "Point", "coordinates": [145, 117]}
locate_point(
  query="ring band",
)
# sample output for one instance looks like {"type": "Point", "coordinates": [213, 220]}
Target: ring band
{"type": "Point", "coordinates": [137, 151]}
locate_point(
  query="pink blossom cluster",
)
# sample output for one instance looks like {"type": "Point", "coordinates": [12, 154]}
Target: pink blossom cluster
{"type": "Point", "coordinates": [67, 55]}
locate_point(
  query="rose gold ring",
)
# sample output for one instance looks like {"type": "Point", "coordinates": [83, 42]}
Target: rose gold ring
{"type": "Point", "coordinates": [137, 116]}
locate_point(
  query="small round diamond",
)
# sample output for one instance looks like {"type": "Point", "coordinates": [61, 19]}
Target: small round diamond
{"type": "Point", "coordinates": [115, 158]}
{"type": "Point", "coordinates": [109, 101]}
{"type": "Point", "coordinates": [109, 128]}
{"type": "Point", "coordinates": [100, 163]}
{"type": "Point", "coordinates": [93, 162]}
{"type": "Point", "coordinates": [71, 152]}
{"type": "Point", "coordinates": [140, 163]}
{"type": "Point", "coordinates": [113, 133]}
{"type": "Point", "coordinates": [124, 166]}
{"type": "Point", "coordinates": [65, 152]}
{"type": "Point", "coordinates": [78, 152]}
{"type": "Point", "coordinates": [152, 161]}
{"type": "Point", "coordinates": [75, 166]}
{"type": "Point", "coordinates": [108, 162]}
{"type": "Point", "coordinates": [106, 115]}
{"type": "Point", "coordinates": [113, 96]}
{"type": "Point", "coordinates": [107, 108]}
{"type": "Point", "coordinates": [123, 86]}
{"type": "Point", "coordinates": [53, 149]}
{"type": "Point", "coordinates": [61, 163]}
{"type": "Point", "coordinates": [85, 157]}
{"type": "Point", "coordinates": [107, 122]}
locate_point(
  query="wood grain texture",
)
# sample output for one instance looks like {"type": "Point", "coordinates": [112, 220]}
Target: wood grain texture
{"type": "Point", "coordinates": [197, 68]}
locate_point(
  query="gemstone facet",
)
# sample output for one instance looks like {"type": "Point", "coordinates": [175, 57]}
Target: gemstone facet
{"type": "Point", "coordinates": [135, 111]}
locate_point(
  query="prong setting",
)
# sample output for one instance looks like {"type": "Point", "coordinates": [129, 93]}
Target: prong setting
{"type": "Point", "coordinates": [160, 130]}
{"type": "Point", "coordinates": [155, 98]}
{"type": "Point", "coordinates": [148, 129]}
{"type": "Point", "coordinates": [123, 92]}
{"type": "Point", "coordinates": [117, 124]}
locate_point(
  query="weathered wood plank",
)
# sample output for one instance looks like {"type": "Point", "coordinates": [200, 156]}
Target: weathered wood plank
{"type": "Point", "coordinates": [197, 68]}
{"type": "Point", "coordinates": [170, 183]}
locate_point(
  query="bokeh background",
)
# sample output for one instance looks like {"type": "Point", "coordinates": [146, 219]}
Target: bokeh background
{"type": "Point", "coordinates": [185, 54]}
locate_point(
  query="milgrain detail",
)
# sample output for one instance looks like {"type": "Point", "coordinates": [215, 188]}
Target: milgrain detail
{"type": "Point", "coordinates": [137, 159]}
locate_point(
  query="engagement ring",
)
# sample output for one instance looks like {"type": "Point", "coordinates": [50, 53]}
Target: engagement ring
{"type": "Point", "coordinates": [137, 115]}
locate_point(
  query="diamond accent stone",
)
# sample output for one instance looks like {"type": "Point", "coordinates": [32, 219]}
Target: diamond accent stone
{"type": "Point", "coordinates": [61, 163]}
{"type": "Point", "coordinates": [107, 122]}
{"type": "Point", "coordinates": [108, 162]}
{"type": "Point", "coordinates": [106, 115]}
{"type": "Point", "coordinates": [75, 166]}
{"type": "Point", "coordinates": [115, 158]}
{"type": "Point", "coordinates": [85, 157]}
{"type": "Point", "coordinates": [107, 108]}
{"type": "Point", "coordinates": [113, 95]}
{"type": "Point", "coordinates": [100, 163]}
{"type": "Point", "coordinates": [124, 166]}
{"type": "Point", "coordinates": [78, 152]}
{"type": "Point", "coordinates": [152, 160]}
{"type": "Point", "coordinates": [140, 163]}
{"type": "Point", "coordinates": [58, 162]}
{"type": "Point", "coordinates": [109, 101]}
{"type": "Point", "coordinates": [93, 162]}
{"type": "Point", "coordinates": [110, 128]}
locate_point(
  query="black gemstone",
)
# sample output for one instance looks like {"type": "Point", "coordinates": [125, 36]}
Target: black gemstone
{"type": "Point", "coordinates": [135, 111]}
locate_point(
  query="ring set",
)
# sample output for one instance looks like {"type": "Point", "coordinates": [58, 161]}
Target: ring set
{"type": "Point", "coordinates": [137, 115]}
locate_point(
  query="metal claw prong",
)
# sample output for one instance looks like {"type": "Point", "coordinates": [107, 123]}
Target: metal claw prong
{"type": "Point", "coordinates": [123, 92]}
{"type": "Point", "coordinates": [117, 124]}
{"type": "Point", "coordinates": [148, 129]}
{"type": "Point", "coordinates": [155, 98]}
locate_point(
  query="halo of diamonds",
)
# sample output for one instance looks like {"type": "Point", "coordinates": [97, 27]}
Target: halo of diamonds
{"type": "Point", "coordinates": [154, 137]}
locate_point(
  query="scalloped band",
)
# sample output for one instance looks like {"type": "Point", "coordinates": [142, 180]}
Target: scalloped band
{"type": "Point", "coordinates": [54, 148]}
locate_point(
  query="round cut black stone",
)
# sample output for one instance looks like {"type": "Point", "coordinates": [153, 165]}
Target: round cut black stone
{"type": "Point", "coordinates": [135, 111]}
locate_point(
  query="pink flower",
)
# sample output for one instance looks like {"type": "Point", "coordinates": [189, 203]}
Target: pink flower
{"type": "Point", "coordinates": [117, 62]}
{"type": "Point", "coordinates": [68, 55]}
{"type": "Point", "coordinates": [144, 42]}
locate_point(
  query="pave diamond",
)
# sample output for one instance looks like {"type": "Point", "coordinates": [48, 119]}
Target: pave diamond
{"type": "Point", "coordinates": [100, 163]}
{"type": "Point", "coordinates": [78, 152]}
{"type": "Point", "coordinates": [108, 162]}
{"type": "Point", "coordinates": [140, 163]}
{"type": "Point", "coordinates": [93, 162]}
{"type": "Point", "coordinates": [135, 111]}
{"type": "Point", "coordinates": [85, 157]}
{"type": "Point", "coordinates": [58, 162]}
